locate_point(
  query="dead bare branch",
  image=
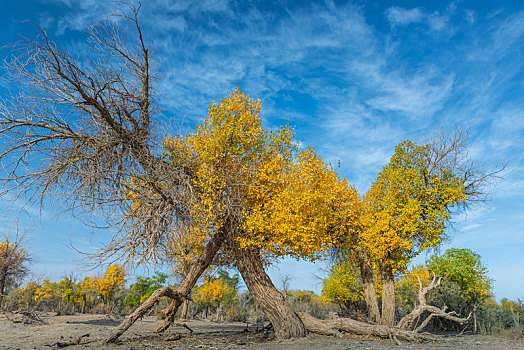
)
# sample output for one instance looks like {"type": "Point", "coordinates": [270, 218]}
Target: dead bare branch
{"type": "Point", "coordinates": [80, 130]}
{"type": "Point", "coordinates": [407, 321]}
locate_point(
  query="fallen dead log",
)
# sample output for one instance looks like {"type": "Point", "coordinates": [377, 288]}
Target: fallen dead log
{"type": "Point", "coordinates": [183, 325]}
{"type": "Point", "coordinates": [25, 317]}
{"type": "Point", "coordinates": [336, 326]}
{"type": "Point", "coordinates": [60, 344]}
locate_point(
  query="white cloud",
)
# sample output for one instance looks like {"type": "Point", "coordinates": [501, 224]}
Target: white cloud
{"type": "Point", "coordinates": [416, 97]}
{"type": "Point", "coordinates": [436, 22]}
{"type": "Point", "coordinates": [471, 227]}
{"type": "Point", "coordinates": [504, 37]}
{"type": "Point", "coordinates": [401, 16]}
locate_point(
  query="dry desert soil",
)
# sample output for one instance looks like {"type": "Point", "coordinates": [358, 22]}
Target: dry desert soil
{"type": "Point", "coordinates": [48, 331]}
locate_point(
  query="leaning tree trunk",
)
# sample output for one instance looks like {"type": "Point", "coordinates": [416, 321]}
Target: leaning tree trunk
{"type": "Point", "coordinates": [285, 321]}
{"type": "Point", "coordinates": [178, 295]}
{"type": "Point", "coordinates": [370, 294]}
{"type": "Point", "coordinates": [388, 295]}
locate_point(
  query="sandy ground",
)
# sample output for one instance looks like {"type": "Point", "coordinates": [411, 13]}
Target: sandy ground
{"type": "Point", "coordinates": [15, 334]}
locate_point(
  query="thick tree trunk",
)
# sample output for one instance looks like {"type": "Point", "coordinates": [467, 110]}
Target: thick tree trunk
{"type": "Point", "coordinates": [285, 321]}
{"type": "Point", "coordinates": [370, 294]}
{"type": "Point", "coordinates": [218, 313]}
{"type": "Point", "coordinates": [475, 329]}
{"type": "Point", "coordinates": [185, 309]}
{"type": "Point", "coordinates": [388, 296]}
{"type": "Point", "coordinates": [3, 277]}
{"type": "Point", "coordinates": [178, 295]}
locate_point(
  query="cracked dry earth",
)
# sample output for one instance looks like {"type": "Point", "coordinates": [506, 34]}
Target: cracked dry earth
{"type": "Point", "coordinates": [23, 332]}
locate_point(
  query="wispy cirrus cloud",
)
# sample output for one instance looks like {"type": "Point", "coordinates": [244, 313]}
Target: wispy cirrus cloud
{"type": "Point", "coordinates": [436, 22]}
{"type": "Point", "coordinates": [355, 80]}
{"type": "Point", "coordinates": [402, 16]}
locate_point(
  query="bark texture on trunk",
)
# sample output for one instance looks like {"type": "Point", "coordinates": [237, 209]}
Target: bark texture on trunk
{"type": "Point", "coordinates": [348, 325]}
{"type": "Point", "coordinates": [3, 277]}
{"type": "Point", "coordinates": [285, 321]}
{"type": "Point", "coordinates": [475, 327]}
{"type": "Point", "coordinates": [178, 295]}
{"type": "Point", "coordinates": [388, 296]}
{"type": "Point", "coordinates": [370, 294]}
{"type": "Point", "coordinates": [185, 309]}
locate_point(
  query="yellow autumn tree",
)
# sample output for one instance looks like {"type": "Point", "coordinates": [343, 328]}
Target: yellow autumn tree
{"type": "Point", "coordinates": [283, 199]}
{"type": "Point", "coordinates": [13, 259]}
{"type": "Point", "coordinates": [45, 291]}
{"type": "Point", "coordinates": [211, 291]}
{"type": "Point", "coordinates": [110, 283]}
{"type": "Point", "coordinates": [408, 208]}
{"type": "Point", "coordinates": [86, 292]}
{"type": "Point", "coordinates": [267, 197]}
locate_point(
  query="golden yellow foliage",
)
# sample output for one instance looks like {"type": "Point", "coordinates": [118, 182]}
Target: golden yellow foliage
{"type": "Point", "coordinates": [45, 291]}
{"type": "Point", "coordinates": [408, 207]}
{"type": "Point", "coordinates": [113, 278]}
{"type": "Point", "coordinates": [413, 276]}
{"type": "Point", "coordinates": [282, 201]}
{"type": "Point", "coordinates": [211, 291]}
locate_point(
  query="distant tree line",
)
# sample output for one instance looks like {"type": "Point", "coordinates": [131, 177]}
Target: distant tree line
{"type": "Point", "coordinates": [463, 287]}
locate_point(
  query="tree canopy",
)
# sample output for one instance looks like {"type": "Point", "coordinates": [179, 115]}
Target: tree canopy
{"type": "Point", "coordinates": [463, 267]}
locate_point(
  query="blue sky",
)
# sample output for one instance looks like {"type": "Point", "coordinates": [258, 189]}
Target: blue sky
{"type": "Point", "coordinates": [354, 78]}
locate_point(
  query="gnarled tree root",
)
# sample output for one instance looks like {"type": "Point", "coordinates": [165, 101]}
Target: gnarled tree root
{"type": "Point", "coordinates": [335, 327]}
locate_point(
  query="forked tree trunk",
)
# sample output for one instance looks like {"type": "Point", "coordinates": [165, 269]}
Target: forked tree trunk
{"type": "Point", "coordinates": [285, 321]}
{"type": "Point", "coordinates": [177, 294]}
{"type": "Point", "coordinates": [370, 294]}
{"type": "Point", "coordinates": [388, 296]}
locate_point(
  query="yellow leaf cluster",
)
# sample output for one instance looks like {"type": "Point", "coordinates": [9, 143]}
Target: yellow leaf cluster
{"type": "Point", "coordinates": [412, 277]}
{"type": "Point", "coordinates": [45, 291]}
{"type": "Point", "coordinates": [113, 278]}
{"type": "Point", "coordinates": [211, 291]}
{"type": "Point", "coordinates": [407, 207]}
{"type": "Point", "coordinates": [11, 255]}
{"type": "Point", "coordinates": [284, 201]}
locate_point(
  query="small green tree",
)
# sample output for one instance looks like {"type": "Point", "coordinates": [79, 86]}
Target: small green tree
{"type": "Point", "coordinates": [144, 287]}
{"type": "Point", "coordinates": [232, 283]}
{"type": "Point", "coordinates": [344, 286]}
{"type": "Point", "coordinates": [464, 268]}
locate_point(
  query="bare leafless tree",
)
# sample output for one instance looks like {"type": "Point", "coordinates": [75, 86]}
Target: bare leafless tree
{"type": "Point", "coordinates": [449, 152]}
{"type": "Point", "coordinates": [81, 129]}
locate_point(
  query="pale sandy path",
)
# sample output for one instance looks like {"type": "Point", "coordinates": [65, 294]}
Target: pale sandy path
{"type": "Point", "coordinates": [207, 336]}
